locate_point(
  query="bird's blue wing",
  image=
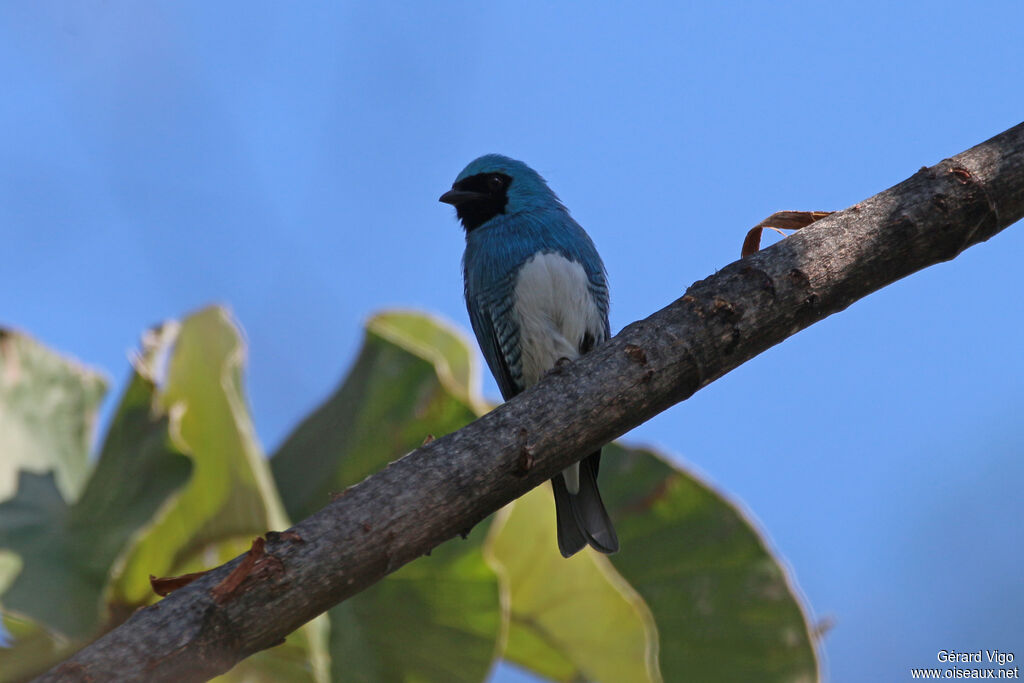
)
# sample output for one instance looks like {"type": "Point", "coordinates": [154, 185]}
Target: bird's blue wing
{"type": "Point", "coordinates": [598, 287]}
{"type": "Point", "coordinates": [498, 336]}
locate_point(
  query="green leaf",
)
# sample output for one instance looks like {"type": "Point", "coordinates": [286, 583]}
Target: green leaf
{"type": "Point", "coordinates": [438, 618]}
{"type": "Point", "coordinates": [67, 551]}
{"type": "Point", "coordinates": [569, 619]}
{"type": "Point", "coordinates": [444, 345]}
{"type": "Point", "coordinates": [435, 619]}
{"type": "Point", "coordinates": [53, 424]}
{"type": "Point", "coordinates": [725, 607]}
{"type": "Point", "coordinates": [413, 378]}
{"type": "Point", "coordinates": [48, 407]}
{"type": "Point", "coordinates": [231, 496]}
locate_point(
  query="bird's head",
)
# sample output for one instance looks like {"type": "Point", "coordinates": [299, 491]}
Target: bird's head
{"type": "Point", "coordinates": [494, 185]}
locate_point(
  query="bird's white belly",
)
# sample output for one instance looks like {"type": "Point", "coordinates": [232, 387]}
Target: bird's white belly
{"type": "Point", "coordinates": [555, 311]}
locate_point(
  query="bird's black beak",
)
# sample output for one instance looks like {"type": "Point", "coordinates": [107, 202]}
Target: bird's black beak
{"type": "Point", "coordinates": [456, 197]}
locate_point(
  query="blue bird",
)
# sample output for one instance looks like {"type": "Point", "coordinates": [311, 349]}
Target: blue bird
{"type": "Point", "coordinates": [536, 292]}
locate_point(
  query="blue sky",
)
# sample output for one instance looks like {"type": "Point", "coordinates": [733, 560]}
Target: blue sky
{"type": "Point", "coordinates": [286, 160]}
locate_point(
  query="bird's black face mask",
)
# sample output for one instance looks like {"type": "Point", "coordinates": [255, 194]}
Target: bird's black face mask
{"type": "Point", "coordinates": [479, 198]}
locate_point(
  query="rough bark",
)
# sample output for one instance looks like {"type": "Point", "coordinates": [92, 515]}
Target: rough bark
{"type": "Point", "coordinates": [452, 483]}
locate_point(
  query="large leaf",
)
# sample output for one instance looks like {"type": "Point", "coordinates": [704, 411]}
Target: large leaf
{"type": "Point", "coordinates": [48, 410]}
{"type": "Point", "coordinates": [413, 377]}
{"type": "Point", "coordinates": [48, 407]}
{"type": "Point", "coordinates": [67, 551]}
{"type": "Point", "coordinates": [725, 608]}
{"type": "Point", "coordinates": [52, 424]}
{"type": "Point", "coordinates": [230, 496]}
{"type": "Point", "coordinates": [438, 618]}
{"type": "Point", "coordinates": [569, 619]}
{"type": "Point", "coordinates": [435, 619]}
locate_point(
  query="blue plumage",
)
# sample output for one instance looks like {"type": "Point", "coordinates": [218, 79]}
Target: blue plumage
{"type": "Point", "coordinates": [536, 291]}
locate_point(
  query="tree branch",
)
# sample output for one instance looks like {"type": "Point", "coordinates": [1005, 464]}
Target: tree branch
{"type": "Point", "coordinates": [451, 484]}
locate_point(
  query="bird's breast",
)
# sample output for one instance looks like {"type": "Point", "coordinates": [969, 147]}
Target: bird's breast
{"type": "Point", "coordinates": [555, 310]}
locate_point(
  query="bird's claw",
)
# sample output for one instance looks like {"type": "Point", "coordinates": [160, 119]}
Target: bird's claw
{"type": "Point", "coordinates": [558, 367]}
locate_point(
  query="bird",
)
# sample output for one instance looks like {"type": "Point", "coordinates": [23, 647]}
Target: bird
{"type": "Point", "coordinates": [537, 292]}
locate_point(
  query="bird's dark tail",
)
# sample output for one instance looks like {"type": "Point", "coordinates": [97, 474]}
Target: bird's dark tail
{"type": "Point", "coordinates": [582, 518]}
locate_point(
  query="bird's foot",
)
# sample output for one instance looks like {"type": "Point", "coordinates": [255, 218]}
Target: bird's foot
{"type": "Point", "coordinates": [558, 367]}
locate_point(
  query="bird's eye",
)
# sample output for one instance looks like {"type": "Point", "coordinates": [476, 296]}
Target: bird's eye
{"type": "Point", "coordinates": [496, 182]}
